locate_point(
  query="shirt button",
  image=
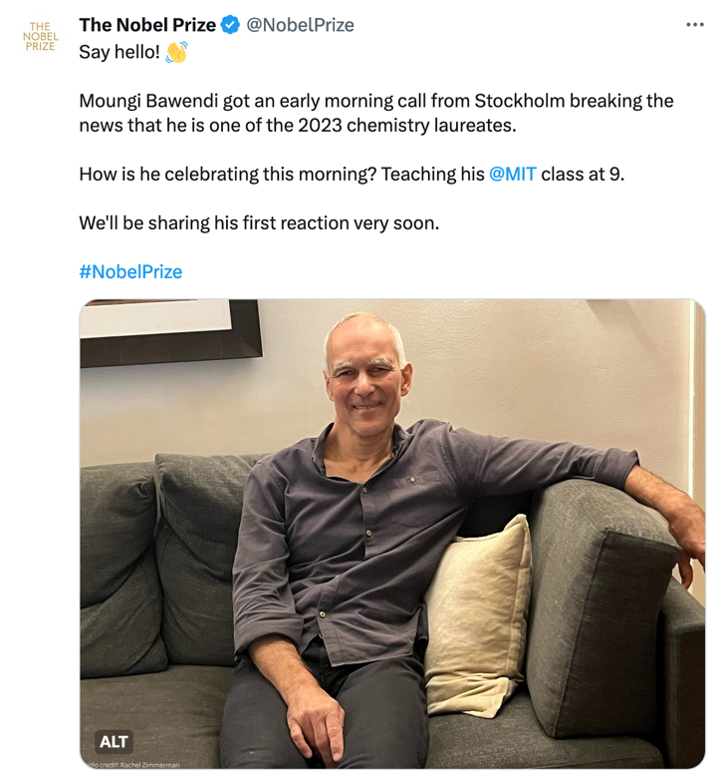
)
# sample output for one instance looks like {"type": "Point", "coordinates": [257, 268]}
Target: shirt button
{"type": "Point", "coordinates": [369, 533]}
{"type": "Point", "coordinates": [412, 480]}
{"type": "Point", "coordinates": [364, 490]}
{"type": "Point", "coordinates": [322, 614]}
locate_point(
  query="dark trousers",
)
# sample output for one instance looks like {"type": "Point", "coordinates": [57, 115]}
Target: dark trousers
{"type": "Point", "coordinates": [385, 715]}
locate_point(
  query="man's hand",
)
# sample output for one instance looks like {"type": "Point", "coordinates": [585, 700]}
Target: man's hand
{"type": "Point", "coordinates": [315, 720]}
{"type": "Point", "coordinates": [686, 523]}
{"type": "Point", "coordinates": [685, 517]}
{"type": "Point", "coordinates": [316, 724]}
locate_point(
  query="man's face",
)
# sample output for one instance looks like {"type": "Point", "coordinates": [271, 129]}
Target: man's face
{"type": "Point", "coordinates": [364, 378]}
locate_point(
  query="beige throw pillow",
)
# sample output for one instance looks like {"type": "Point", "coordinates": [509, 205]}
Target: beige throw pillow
{"type": "Point", "coordinates": [477, 608]}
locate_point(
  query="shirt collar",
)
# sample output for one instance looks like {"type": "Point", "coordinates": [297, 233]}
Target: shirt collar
{"type": "Point", "coordinates": [318, 452]}
{"type": "Point", "coordinates": [399, 435]}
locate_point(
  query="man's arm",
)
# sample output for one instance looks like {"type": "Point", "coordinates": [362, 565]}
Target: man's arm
{"type": "Point", "coordinates": [263, 602]}
{"type": "Point", "coordinates": [483, 464]}
{"type": "Point", "coordinates": [267, 625]}
{"type": "Point", "coordinates": [315, 720]}
{"type": "Point", "coordinates": [685, 517]}
{"type": "Point", "coordinates": [488, 465]}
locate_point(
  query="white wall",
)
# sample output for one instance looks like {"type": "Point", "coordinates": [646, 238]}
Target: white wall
{"type": "Point", "coordinates": [605, 373]}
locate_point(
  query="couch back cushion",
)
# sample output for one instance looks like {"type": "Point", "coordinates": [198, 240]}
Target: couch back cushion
{"type": "Point", "coordinates": [200, 499]}
{"type": "Point", "coordinates": [120, 589]}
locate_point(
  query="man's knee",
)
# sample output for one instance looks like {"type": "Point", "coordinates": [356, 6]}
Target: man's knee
{"type": "Point", "coordinates": [247, 742]}
{"type": "Point", "coordinates": [387, 753]}
{"type": "Point", "coordinates": [260, 757]}
{"type": "Point", "coordinates": [387, 722]}
{"type": "Point", "coordinates": [254, 732]}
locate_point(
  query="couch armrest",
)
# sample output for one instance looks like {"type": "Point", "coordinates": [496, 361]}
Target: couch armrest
{"type": "Point", "coordinates": [601, 567]}
{"type": "Point", "coordinates": [681, 678]}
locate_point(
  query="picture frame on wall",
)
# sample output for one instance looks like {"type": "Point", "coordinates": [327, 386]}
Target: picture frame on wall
{"type": "Point", "coordinates": [145, 331]}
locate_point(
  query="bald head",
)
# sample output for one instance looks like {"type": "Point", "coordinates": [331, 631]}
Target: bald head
{"type": "Point", "coordinates": [357, 321]}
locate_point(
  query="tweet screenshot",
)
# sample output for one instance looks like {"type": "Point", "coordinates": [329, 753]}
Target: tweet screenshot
{"type": "Point", "coordinates": [382, 331]}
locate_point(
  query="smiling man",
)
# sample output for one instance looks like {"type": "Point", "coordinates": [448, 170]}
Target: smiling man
{"type": "Point", "coordinates": [366, 377]}
{"type": "Point", "coordinates": [339, 539]}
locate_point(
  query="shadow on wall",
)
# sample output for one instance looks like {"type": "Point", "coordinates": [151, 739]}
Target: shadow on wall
{"type": "Point", "coordinates": [620, 315]}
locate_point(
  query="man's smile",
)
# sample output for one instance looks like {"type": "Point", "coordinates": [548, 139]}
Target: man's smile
{"type": "Point", "coordinates": [366, 407]}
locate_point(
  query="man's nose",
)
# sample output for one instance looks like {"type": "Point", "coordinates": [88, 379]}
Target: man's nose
{"type": "Point", "coordinates": [364, 384]}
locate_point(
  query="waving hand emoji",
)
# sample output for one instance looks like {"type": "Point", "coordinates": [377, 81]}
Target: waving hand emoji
{"type": "Point", "coordinates": [176, 53]}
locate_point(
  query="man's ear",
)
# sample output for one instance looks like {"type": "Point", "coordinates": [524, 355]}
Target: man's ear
{"type": "Point", "coordinates": [326, 384]}
{"type": "Point", "coordinates": [406, 378]}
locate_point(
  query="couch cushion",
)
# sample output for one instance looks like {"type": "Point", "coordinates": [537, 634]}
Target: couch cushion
{"type": "Point", "coordinates": [175, 716]}
{"type": "Point", "coordinates": [120, 589]}
{"type": "Point", "coordinates": [602, 565]}
{"type": "Point", "coordinates": [477, 607]}
{"type": "Point", "coordinates": [515, 739]}
{"type": "Point", "coordinates": [200, 499]}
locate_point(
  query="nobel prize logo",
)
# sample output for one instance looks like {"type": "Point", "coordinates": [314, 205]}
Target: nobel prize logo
{"type": "Point", "coordinates": [114, 742]}
{"type": "Point", "coordinates": [40, 38]}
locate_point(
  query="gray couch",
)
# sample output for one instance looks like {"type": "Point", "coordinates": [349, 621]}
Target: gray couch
{"type": "Point", "coordinates": [615, 656]}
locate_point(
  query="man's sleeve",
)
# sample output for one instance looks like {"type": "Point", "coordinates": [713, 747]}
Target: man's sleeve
{"type": "Point", "coordinates": [263, 600]}
{"type": "Point", "coordinates": [487, 465]}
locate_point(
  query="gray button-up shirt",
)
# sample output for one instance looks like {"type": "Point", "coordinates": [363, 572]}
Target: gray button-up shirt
{"type": "Point", "coordinates": [352, 562]}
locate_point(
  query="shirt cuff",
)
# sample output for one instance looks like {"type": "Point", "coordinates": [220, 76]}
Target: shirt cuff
{"type": "Point", "coordinates": [290, 628]}
{"type": "Point", "coordinates": [615, 467]}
